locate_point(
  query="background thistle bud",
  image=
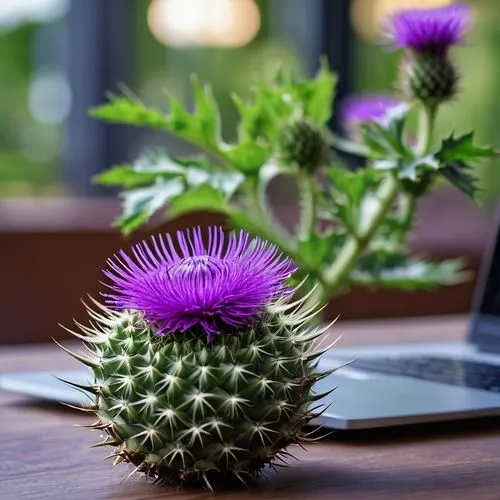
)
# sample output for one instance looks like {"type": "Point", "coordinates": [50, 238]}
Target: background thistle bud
{"type": "Point", "coordinates": [427, 73]}
{"type": "Point", "coordinates": [429, 79]}
{"type": "Point", "coordinates": [304, 144]}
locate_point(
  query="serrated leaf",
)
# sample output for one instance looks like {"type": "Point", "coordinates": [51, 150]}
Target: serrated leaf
{"type": "Point", "coordinates": [413, 169]}
{"type": "Point", "coordinates": [411, 274]}
{"type": "Point", "coordinates": [248, 157]}
{"type": "Point", "coordinates": [318, 94]}
{"type": "Point", "coordinates": [463, 149]}
{"type": "Point", "coordinates": [130, 111]}
{"type": "Point", "coordinates": [143, 172]}
{"type": "Point", "coordinates": [385, 139]}
{"type": "Point", "coordinates": [204, 197]}
{"type": "Point", "coordinates": [157, 180]}
{"type": "Point", "coordinates": [347, 192]}
{"type": "Point", "coordinates": [141, 203]}
{"type": "Point", "coordinates": [458, 174]}
{"type": "Point", "coordinates": [319, 249]}
{"type": "Point", "coordinates": [206, 115]}
{"type": "Point", "coordinates": [201, 128]}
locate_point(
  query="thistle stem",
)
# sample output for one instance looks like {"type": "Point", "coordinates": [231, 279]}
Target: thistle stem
{"type": "Point", "coordinates": [264, 226]}
{"type": "Point", "coordinates": [408, 206]}
{"type": "Point", "coordinates": [428, 114]}
{"type": "Point", "coordinates": [347, 146]}
{"type": "Point", "coordinates": [305, 182]}
{"type": "Point", "coordinates": [336, 274]}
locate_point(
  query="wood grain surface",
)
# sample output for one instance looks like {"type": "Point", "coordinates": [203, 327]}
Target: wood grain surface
{"type": "Point", "coordinates": [43, 456]}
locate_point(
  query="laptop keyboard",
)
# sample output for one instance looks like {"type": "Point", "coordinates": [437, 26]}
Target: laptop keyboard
{"type": "Point", "coordinates": [463, 373]}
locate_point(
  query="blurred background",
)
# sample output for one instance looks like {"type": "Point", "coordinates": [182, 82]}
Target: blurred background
{"type": "Point", "coordinates": [60, 57]}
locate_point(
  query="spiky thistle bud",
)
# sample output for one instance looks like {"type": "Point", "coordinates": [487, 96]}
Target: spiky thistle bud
{"type": "Point", "coordinates": [427, 73]}
{"type": "Point", "coordinates": [428, 79]}
{"type": "Point", "coordinates": [302, 143]}
{"type": "Point", "coordinates": [203, 369]}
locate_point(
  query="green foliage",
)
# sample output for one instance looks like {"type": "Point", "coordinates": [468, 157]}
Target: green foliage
{"type": "Point", "coordinates": [353, 224]}
{"type": "Point", "coordinates": [456, 156]}
{"type": "Point", "coordinates": [157, 181]}
{"type": "Point", "coordinates": [348, 191]}
{"type": "Point", "coordinates": [387, 268]}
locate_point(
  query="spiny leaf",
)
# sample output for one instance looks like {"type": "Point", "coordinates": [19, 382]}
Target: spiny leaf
{"type": "Point", "coordinates": [206, 197]}
{"type": "Point", "coordinates": [386, 139]}
{"type": "Point", "coordinates": [411, 274]}
{"type": "Point", "coordinates": [141, 203]}
{"type": "Point", "coordinates": [458, 173]}
{"type": "Point", "coordinates": [462, 148]}
{"type": "Point", "coordinates": [319, 249]}
{"type": "Point", "coordinates": [317, 95]}
{"type": "Point", "coordinates": [348, 189]}
{"type": "Point", "coordinates": [130, 111]}
{"type": "Point", "coordinates": [143, 172]}
{"type": "Point", "coordinates": [157, 181]}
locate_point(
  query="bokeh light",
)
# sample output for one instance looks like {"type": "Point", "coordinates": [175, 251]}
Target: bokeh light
{"type": "Point", "coordinates": [213, 23]}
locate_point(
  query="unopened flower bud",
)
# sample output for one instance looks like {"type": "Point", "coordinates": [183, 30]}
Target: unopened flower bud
{"type": "Point", "coordinates": [302, 143]}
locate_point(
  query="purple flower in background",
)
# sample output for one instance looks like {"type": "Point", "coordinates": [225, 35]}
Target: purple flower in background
{"type": "Point", "coordinates": [225, 282]}
{"type": "Point", "coordinates": [429, 30]}
{"type": "Point", "coordinates": [355, 110]}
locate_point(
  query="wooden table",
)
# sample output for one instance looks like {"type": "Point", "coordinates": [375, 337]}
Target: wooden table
{"type": "Point", "coordinates": [42, 456]}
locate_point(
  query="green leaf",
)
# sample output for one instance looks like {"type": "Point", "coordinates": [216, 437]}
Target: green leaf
{"type": "Point", "coordinates": [130, 111]}
{"type": "Point", "coordinates": [205, 121]}
{"type": "Point", "coordinates": [463, 149]}
{"type": "Point", "coordinates": [201, 127]}
{"type": "Point", "coordinates": [141, 203]}
{"type": "Point", "coordinates": [157, 181]}
{"type": "Point", "coordinates": [458, 174]}
{"type": "Point", "coordinates": [456, 155]}
{"type": "Point", "coordinates": [143, 172]}
{"type": "Point", "coordinates": [411, 274]}
{"type": "Point", "coordinates": [320, 249]}
{"type": "Point", "coordinates": [385, 139]}
{"type": "Point", "coordinates": [317, 95]}
{"type": "Point", "coordinates": [348, 191]}
{"type": "Point", "coordinates": [414, 169]}
{"type": "Point", "coordinates": [205, 197]}
{"type": "Point", "coordinates": [249, 156]}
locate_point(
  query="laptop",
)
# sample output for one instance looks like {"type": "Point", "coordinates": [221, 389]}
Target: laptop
{"type": "Point", "coordinates": [384, 386]}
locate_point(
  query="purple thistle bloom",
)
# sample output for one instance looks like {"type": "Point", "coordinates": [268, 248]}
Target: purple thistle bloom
{"type": "Point", "coordinates": [429, 30]}
{"type": "Point", "coordinates": [227, 282]}
{"type": "Point", "coordinates": [357, 110]}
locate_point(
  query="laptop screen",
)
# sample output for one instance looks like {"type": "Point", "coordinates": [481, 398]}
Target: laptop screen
{"type": "Point", "coordinates": [485, 329]}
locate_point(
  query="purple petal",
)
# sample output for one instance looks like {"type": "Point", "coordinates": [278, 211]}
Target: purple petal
{"type": "Point", "coordinates": [366, 108]}
{"type": "Point", "coordinates": [181, 285]}
{"type": "Point", "coordinates": [433, 30]}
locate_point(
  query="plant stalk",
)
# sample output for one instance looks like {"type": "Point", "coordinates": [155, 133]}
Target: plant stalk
{"type": "Point", "coordinates": [428, 114]}
{"type": "Point", "coordinates": [354, 246]}
{"type": "Point", "coordinates": [305, 183]}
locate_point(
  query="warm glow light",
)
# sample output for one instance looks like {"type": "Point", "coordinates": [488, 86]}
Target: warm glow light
{"type": "Point", "coordinates": [367, 16]}
{"type": "Point", "coordinates": [215, 23]}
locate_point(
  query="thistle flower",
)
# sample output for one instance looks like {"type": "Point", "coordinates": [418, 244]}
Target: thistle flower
{"type": "Point", "coordinates": [431, 31]}
{"type": "Point", "coordinates": [427, 73]}
{"type": "Point", "coordinates": [356, 110]}
{"type": "Point", "coordinates": [223, 283]}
